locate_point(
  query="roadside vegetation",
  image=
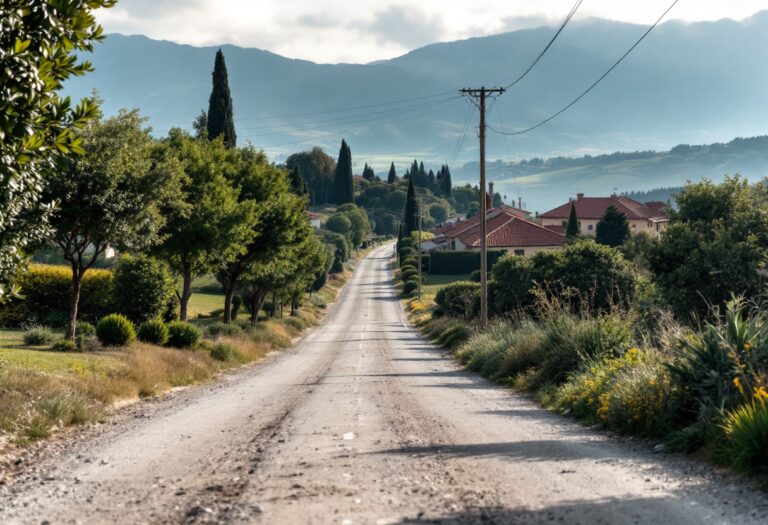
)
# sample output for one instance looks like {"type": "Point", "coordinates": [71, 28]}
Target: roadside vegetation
{"type": "Point", "coordinates": [664, 339]}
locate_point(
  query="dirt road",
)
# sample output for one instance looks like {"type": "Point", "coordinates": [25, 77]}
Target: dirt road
{"type": "Point", "coordinates": [365, 423]}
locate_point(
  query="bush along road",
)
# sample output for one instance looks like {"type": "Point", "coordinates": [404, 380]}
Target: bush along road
{"type": "Point", "coordinates": [365, 422]}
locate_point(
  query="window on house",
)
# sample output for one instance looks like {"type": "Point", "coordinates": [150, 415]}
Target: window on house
{"type": "Point", "coordinates": [590, 227]}
{"type": "Point", "coordinates": [519, 252]}
{"type": "Point", "coordinates": [565, 224]}
{"type": "Point", "coordinates": [634, 226]}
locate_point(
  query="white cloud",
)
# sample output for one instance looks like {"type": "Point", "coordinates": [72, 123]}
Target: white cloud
{"type": "Point", "coordinates": [366, 30]}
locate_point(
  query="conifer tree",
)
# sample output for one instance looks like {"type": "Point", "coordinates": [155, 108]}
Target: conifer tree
{"type": "Point", "coordinates": [444, 184]}
{"type": "Point", "coordinates": [411, 215]}
{"type": "Point", "coordinates": [368, 173]}
{"type": "Point", "coordinates": [613, 228]}
{"type": "Point", "coordinates": [298, 186]}
{"type": "Point", "coordinates": [572, 228]}
{"type": "Point", "coordinates": [392, 177]}
{"type": "Point", "coordinates": [221, 123]}
{"type": "Point", "coordinates": [343, 182]}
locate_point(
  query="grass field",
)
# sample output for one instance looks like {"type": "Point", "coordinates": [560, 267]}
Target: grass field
{"type": "Point", "coordinates": [206, 297]}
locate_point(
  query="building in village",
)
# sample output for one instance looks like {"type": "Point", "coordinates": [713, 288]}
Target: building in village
{"type": "Point", "coordinates": [649, 217]}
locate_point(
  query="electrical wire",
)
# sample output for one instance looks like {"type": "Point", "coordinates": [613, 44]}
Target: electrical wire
{"type": "Point", "coordinates": [552, 41]}
{"type": "Point", "coordinates": [594, 84]}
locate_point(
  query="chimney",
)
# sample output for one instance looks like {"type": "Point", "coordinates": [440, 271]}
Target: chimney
{"type": "Point", "coordinates": [520, 202]}
{"type": "Point", "coordinates": [489, 197]}
{"type": "Point", "coordinates": [579, 196]}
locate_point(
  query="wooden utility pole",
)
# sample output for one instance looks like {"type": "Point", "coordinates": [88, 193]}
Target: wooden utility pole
{"type": "Point", "coordinates": [481, 95]}
{"type": "Point", "coordinates": [418, 208]}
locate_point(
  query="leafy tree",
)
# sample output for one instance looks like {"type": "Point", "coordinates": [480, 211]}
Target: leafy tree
{"type": "Point", "coordinates": [113, 195]}
{"type": "Point", "coordinates": [298, 185]}
{"type": "Point", "coordinates": [411, 213]}
{"type": "Point", "coordinates": [392, 177]}
{"type": "Point", "coordinates": [311, 267]}
{"type": "Point", "coordinates": [572, 228]}
{"type": "Point", "coordinates": [200, 125]}
{"type": "Point", "coordinates": [214, 227]}
{"type": "Point", "coordinates": [280, 222]}
{"type": "Point", "coordinates": [359, 226]}
{"type": "Point", "coordinates": [143, 288]}
{"type": "Point", "coordinates": [317, 169]}
{"type": "Point", "coordinates": [339, 223]}
{"type": "Point", "coordinates": [221, 122]}
{"type": "Point", "coordinates": [513, 282]}
{"type": "Point", "coordinates": [714, 246]}
{"type": "Point", "coordinates": [343, 181]}
{"type": "Point", "coordinates": [38, 45]}
{"type": "Point", "coordinates": [438, 212]}
{"type": "Point", "coordinates": [613, 228]}
{"type": "Point", "coordinates": [341, 248]}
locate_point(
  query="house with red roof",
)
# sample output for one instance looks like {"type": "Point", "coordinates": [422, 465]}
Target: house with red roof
{"type": "Point", "coordinates": [649, 217]}
{"type": "Point", "coordinates": [505, 230]}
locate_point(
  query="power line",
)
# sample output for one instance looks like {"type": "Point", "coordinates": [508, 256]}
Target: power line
{"type": "Point", "coordinates": [552, 41]}
{"type": "Point", "coordinates": [594, 84]}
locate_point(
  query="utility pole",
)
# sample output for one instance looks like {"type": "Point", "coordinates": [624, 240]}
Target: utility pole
{"type": "Point", "coordinates": [481, 94]}
{"type": "Point", "coordinates": [418, 207]}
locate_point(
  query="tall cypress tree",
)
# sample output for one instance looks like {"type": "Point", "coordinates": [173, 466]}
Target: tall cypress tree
{"type": "Point", "coordinates": [572, 228]}
{"type": "Point", "coordinates": [298, 185]}
{"type": "Point", "coordinates": [411, 214]}
{"type": "Point", "coordinates": [447, 184]}
{"type": "Point", "coordinates": [220, 120]}
{"type": "Point", "coordinates": [343, 182]}
{"type": "Point", "coordinates": [392, 177]}
{"type": "Point", "coordinates": [613, 228]}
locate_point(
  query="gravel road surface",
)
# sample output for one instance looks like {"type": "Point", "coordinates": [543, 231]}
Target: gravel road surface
{"type": "Point", "coordinates": [363, 422]}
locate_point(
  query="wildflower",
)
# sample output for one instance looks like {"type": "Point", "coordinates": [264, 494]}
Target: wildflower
{"type": "Point", "coordinates": [761, 394]}
{"type": "Point", "coordinates": [737, 383]}
{"type": "Point", "coordinates": [747, 346]}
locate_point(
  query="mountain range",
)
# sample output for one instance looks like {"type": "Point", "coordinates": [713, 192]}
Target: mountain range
{"type": "Point", "coordinates": [692, 83]}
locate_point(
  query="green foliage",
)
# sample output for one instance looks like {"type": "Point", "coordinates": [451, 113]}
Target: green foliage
{"type": "Point", "coordinates": [613, 228]}
{"type": "Point", "coordinates": [454, 336]}
{"type": "Point", "coordinates": [392, 175]}
{"type": "Point", "coordinates": [572, 229]}
{"type": "Point", "coordinates": [439, 212]}
{"type": "Point", "coordinates": [458, 262]}
{"type": "Point", "coordinates": [219, 329]}
{"type": "Point", "coordinates": [317, 170]}
{"type": "Point", "coordinates": [716, 242]}
{"type": "Point", "coordinates": [512, 275]}
{"type": "Point", "coordinates": [86, 329]}
{"type": "Point", "coordinates": [411, 211]}
{"type": "Point", "coordinates": [338, 223]}
{"type": "Point", "coordinates": [183, 335]}
{"type": "Point", "coordinates": [456, 298]}
{"type": "Point", "coordinates": [343, 181]}
{"type": "Point", "coordinates": [340, 247]}
{"type": "Point", "coordinates": [115, 330]}
{"type": "Point", "coordinates": [64, 345]}
{"type": "Point", "coordinates": [40, 44]}
{"type": "Point", "coordinates": [224, 352]}
{"type": "Point", "coordinates": [298, 185]}
{"type": "Point", "coordinates": [409, 287]}
{"type": "Point", "coordinates": [220, 121]}
{"type": "Point", "coordinates": [46, 294]}
{"type": "Point", "coordinates": [143, 287]}
{"type": "Point", "coordinates": [746, 436]}
{"type": "Point", "coordinates": [38, 335]}
{"type": "Point", "coordinates": [153, 332]}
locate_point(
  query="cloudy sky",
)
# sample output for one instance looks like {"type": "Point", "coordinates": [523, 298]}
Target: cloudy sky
{"type": "Point", "coordinates": [367, 30]}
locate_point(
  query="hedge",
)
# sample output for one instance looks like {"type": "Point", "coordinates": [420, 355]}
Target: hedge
{"type": "Point", "coordinates": [46, 294]}
{"type": "Point", "coordinates": [457, 262]}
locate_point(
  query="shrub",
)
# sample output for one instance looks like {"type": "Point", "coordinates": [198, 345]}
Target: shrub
{"type": "Point", "coordinates": [183, 335]}
{"type": "Point", "coordinates": [484, 352]}
{"type": "Point", "coordinates": [454, 336]}
{"type": "Point", "coordinates": [153, 332]}
{"type": "Point", "coordinates": [408, 275]}
{"type": "Point", "coordinates": [410, 287]}
{"type": "Point", "coordinates": [525, 351]}
{"type": "Point", "coordinates": [223, 352]}
{"type": "Point", "coordinates": [219, 329]}
{"type": "Point", "coordinates": [38, 335]}
{"type": "Point", "coordinates": [143, 288]}
{"type": "Point", "coordinates": [407, 267]}
{"type": "Point", "coordinates": [451, 263]}
{"type": "Point", "coordinates": [115, 330]}
{"type": "Point", "coordinates": [746, 437]}
{"type": "Point", "coordinates": [512, 275]}
{"type": "Point", "coordinates": [46, 293]}
{"type": "Point", "coordinates": [456, 299]}
{"type": "Point", "coordinates": [85, 329]}
{"type": "Point", "coordinates": [64, 345]}
{"type": "Point", "coordinates": [411, 260]}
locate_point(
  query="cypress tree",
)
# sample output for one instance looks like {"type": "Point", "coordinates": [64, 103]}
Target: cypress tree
{"type": "Point", "coordinates": [444, 186]}
{"type": "Point", "coordinates": [368, 173]}
{"type": "Point", "coordinates": [613, 228]}
{"type": "Point", "coordinates": [298, 186]}
{"type": "Point", "coordinates": [343, 182]}
{"type": "Point", "coordinates": [221, 123]}
{"type": "Point", "coordinates": [431, 180]}
{"type": "Point", "coordinates": [411, 214]}
{"type": "Point", "coordinates": [572, 228]}
{"type": "Point", "coordinates": [392, 177]}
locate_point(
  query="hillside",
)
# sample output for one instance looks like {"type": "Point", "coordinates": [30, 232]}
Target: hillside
{"type": "Point", "coordinates": [691, 83]}
{"type": "Point", "coordinates": [543, 184]}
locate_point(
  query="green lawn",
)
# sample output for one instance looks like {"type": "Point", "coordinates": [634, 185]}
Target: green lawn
{"type": "Point", "coordinates": [434, 282]}
{"type": "Point", "coordinates": [14, 351]}
{"type": "Point", "coordinates": [206, 296]}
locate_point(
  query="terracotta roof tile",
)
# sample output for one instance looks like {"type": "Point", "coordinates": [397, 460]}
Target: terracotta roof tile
{"type": "Point", "coordinates": [506, 230]}
{"type": "Point", "coordinates": [594, 208]}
